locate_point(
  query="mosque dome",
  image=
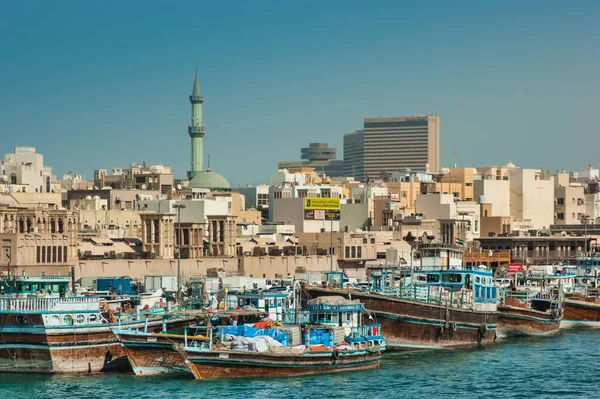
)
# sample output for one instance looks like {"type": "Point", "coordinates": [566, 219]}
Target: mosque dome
{"type": "Point", "coordinates": [510, 164]}
{"type": "Point", "coordinates": [210, 180]}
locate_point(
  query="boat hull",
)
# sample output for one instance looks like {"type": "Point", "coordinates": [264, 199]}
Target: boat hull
{"type": "Point", "coordinates": [150, 358]}
{"type": "Point", "coordinates": [413, 325]}
{"type": "Point", "coordinates": [516, 321]}
{"type": "Point", "coordinates": [34, 348]}
{"type": "Point", "coordinates": [581, 311]}
{"type": "Point", "coordinates": [241, 364]}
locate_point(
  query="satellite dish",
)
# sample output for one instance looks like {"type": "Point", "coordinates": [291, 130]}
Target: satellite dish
{"type": "Point", "coordinates": [144, 186]}
{"type": "Point", "coordinates": [179, 187]}
{"type": "Point", "coordinates": [163, 197]}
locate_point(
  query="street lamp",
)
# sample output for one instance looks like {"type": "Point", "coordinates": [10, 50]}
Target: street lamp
{"type": "Point", "coordinates": [179, 208]}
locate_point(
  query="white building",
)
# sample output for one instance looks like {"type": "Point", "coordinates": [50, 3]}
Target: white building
{"type": "Point", "coordinates": [445, 207]}
{"type": "Point", "coordinates": [24, 171]}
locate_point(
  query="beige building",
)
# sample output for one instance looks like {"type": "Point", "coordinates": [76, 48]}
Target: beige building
{"type": "Point", "coordinates": [455, 219]}
{"type": "Point", "coordinates": [492, 226]}
{"type": "Point", "coordinates": [140, 177]}
{"type": "Point", "coordinates": [569, 200]}
{"type": "Point", "coordinates": [352, 249]}
{"type": "Point", "coordinates": [158, 235]}
{"type": "Point", "coordinates": [493, 192]}
{"type": "Point", "coordinates": [463, 179]}
{"type": "Point", "coordinates": [531, 198]}
{"type": "Point", "coordinates": [37, 236]}
{"type": "Point", "coordinates": [398, 143]}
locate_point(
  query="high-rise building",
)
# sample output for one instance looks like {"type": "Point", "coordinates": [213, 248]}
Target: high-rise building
{"type": "Point", "coordinates": [354, 150]}
{"type": "Point", "coordinates": [319, 156]}
{"type": "Point", "coordinates": [398, 143]}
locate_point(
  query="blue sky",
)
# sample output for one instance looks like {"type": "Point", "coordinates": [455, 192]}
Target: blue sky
{"type": "Point", "coordinates": [101, 84]}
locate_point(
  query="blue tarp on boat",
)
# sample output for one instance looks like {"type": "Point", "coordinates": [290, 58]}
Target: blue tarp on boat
{"type": "Point", "coordinates": [247, 331]}
{"type": "Point", "coordinates": [320, 337]}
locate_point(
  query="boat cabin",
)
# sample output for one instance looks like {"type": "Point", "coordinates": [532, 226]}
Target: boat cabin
{"type": "Point", "coordinates": [271, 303]}
{"type": "Point", "coordinates": [38, 286]}
{"type": "Point", "coordinates": [335, 311]}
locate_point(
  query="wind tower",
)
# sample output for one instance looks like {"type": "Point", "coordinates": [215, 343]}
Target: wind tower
{"type": "Point", "coordinates": [196, 129]}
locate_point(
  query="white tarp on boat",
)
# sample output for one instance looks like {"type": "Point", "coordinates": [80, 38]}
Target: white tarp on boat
{"type": "Point", "coordinates": [261, 343]}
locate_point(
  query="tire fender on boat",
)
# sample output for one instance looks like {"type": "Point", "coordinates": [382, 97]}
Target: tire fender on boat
{"type": "Point", "coordinates": [452, 329]}
{"type": "Point", "coordinates": [335, 355]}
{"type": "Point", "coordinates": [482, 330]}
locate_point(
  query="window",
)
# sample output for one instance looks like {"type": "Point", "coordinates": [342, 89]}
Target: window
{"type": "Point", "coordinates": [347, 252]}
{"type": "Point", "coordinates": [433, 278]}
{"type": "Point", "coordinates": [451, 278]}
{"type": "Point", "coordinates": [560, 201]}
{"type": "Point", "coordinates": [359, 252]}
{"type": "Point", "coordinates": [43, 254]}
{"type": "Point", "coordinates": [65, 253]}
{"type": "Point", "coordinates": [560, 216]}
{"type": "Point", "coordinates": [53, 254]}
{"type": "Point", "coordinates": [372, 240]}
{"type": "Point", "coordinates": [353, 252]}
{"type": "Point", "coordinates": [364, 240]}
{"type": "Point", "coordinates": [39, 254]}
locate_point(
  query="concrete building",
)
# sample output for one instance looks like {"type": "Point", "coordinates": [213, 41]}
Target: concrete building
{"type": "Point", "coordinates": [158, 231]}
{"type": "Point", "coordinates": [291, 211]}
{"type": "Point", "coordinates": [37, 236]}
{"type": "Point", "coordinates": [24, 171]}
{"type": "Point", "coordinates": [531, 198]}
{"type": "Point", "coordinates": [116, 198]}
{"type": "Point", "coordinates": [541, 250]}
{"type": "Point", "coordinates": [492, 226]}
{"type": "Point", "coordinates": [319, 156]}
{"type": "Point", "coordinates": [96, 220]}
{"type": "Point", "coordinates": [256, 198]}
{"type": "Point", "coordinates": [463, 178]}
{"type": "Point", "coordinates": [493, 192]}
{"type": "Point", "coordinates": [354, 154]}
{"type": "Point", "coordinates": [136, 177]}
{"type": "Point", "coordinates": [456, 219]}
{"type": "Point", "coordinates": [569, 200]}
{"type": "Point", "coordinates": [398, 143]}
{"type": "Point", "coordinates": [352, 249]}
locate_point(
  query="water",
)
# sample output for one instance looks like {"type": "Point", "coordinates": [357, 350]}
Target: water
{"type": "Point", "coordinates": [564, 365]}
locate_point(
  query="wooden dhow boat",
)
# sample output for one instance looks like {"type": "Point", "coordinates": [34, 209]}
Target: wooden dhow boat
{"type": "Point", "coordinates": [62, 334]}
{"type": "Point", "coordinates": [425, 309]}
{"type": "Point", "coordinates": [304, 349]}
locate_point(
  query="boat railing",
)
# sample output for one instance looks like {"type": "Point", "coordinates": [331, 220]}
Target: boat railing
{"type": "Point", "coordinates": [437, 295]}
{"type": "Point", "coordinates": [40, 304]}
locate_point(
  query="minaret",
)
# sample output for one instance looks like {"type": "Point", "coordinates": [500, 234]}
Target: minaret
{"type": "Point", "coordinates": [196, 129]}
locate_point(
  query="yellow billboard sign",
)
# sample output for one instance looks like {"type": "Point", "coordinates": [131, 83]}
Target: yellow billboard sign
{"type": "Point", "coordinates": [322, 204]}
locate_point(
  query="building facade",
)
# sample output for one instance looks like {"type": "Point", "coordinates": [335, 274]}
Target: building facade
{"type": "Point", "coordinates": [37, 236]}
{"type": "Point", "coordinates": [399, 143]}
{"type": "Point", "coordinates": [319, 156]}
{"type": "Point", "coordinates": [24, 171]}
{"type": "Point", "coordinates": [354, 154]}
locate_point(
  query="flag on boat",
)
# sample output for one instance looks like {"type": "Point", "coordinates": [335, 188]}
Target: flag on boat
{"type": "Point", "coordinates": [458, 241]}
